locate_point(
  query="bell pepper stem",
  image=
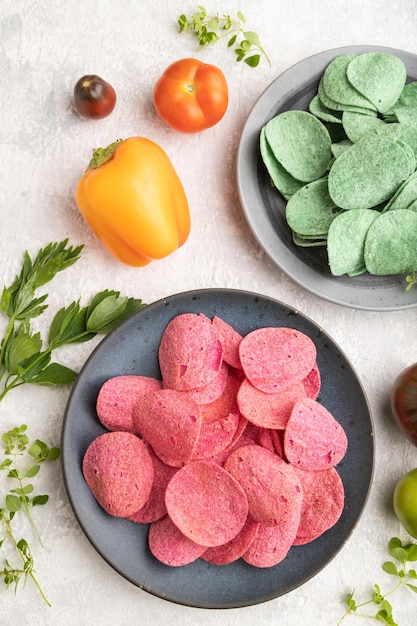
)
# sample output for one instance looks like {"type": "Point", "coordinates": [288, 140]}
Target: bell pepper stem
{"type": "Point", "coordinates": [102, 155]}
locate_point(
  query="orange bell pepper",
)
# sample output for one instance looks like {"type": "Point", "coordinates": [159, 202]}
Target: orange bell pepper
{"type": "Point", "coordinates": [134, 201]}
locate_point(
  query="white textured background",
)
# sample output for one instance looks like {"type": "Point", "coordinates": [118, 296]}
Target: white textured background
{"type": "Point", "coordinates": [45, 46]}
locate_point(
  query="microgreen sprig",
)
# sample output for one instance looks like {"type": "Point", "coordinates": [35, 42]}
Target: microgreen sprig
{"type": "Point", "coordinates": [24, 356]}
{"type": "Point", "coordinates": [211, 28]}
{"type": "Point", "coordinates": [22, 461]}
{"type": "Point", "coordinates": [402, 554]}
{"type": "Point", "coordinates": [411, 279]}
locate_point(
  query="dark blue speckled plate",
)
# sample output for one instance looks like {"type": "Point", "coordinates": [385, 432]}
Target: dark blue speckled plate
{"type": "Point", "coordinates": [132, 349]}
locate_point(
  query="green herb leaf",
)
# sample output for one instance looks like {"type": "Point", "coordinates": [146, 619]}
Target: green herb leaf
{"type": "Point", "coordinates": [21, 348]}
{"type": "Point", "coordinates": [108, 309]}
{"type": "Point", "coordinates": [53, 374]}
{"type": "Point", "coordinates": [401, 553]}
{"type": "Point", "coordinates": [30, 472]}
{"type": "Point", "coordinates": [106, 312]}
{"type": "Point", "coordinates": [53, 454]}
{"type": "Point", "coordinates": [68, 326]}
{"type": "Point", "coordinates": [378, 597]}
{"type": "Point", "coordinates": [31, 368]}
{"type": "Point", "coordinates": [206, 29]}
{"type": "Point", "coordinates": [253, 60]}
{"type": "Point", "coordinates": [411, 550]}
{"type": "Point", "coordinates": [251, 37]}
{"type": "Point", "coordinates": [350, 603]}
{"type": "Point", "coordinates": [23, 359]}
{"type": "Point", "coordinates": [38, 450]}
{"type": "Point", "coordinates": [13, 503]}
{"type": "Point", "coordinates": [40, 500]}
{"type": "Point", "coordinates": [19, 501]}
{"type": "Point", "coordinates": [54, 258]}
{"type": "Point", "coordinates": [390, 568]}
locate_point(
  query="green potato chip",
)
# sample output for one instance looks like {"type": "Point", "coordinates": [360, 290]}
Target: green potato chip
{"type": "Point", "coordinates": [405, 109]}
{"type": "Point", "coordinates": [338, 106]}
{"type": "Point", "coordinates": [391, 243]}
{"type": "Point", "coordinates": [283, 181]}
{"type": "Point", "coordinates": [336, 131]}
{"type": "Point", "coordinates": [340, 146]}
{"type": "Point", "coordinates": [348, 162]}
{"type": "Point", "coordinates": [337, 86]}
{"type": "Point", "coordinates": [405, 196]}
{"type": "Point", "coordinates": [410, 155]}
{"type": "Point", "coordinates": [346, 241]}
{"type": "Point", "coordinates": [356, 125]}
{"type": "Point", "coordinates": [368, 173]}
{"type": "Point", "coordinates": [378, 76]}
{"type": "Point", "coordinates": [402, 132]}
{"type": "Point", "coordinates": [300, 143]}
{"type": "Point", "coordinates": [412, 206]}
{"type": "Point", "coordinates": [317, 108]}
{"type": "Point", "coordinates": [310, 211]}
{"type": "Point", "coordinates": [308, 242]}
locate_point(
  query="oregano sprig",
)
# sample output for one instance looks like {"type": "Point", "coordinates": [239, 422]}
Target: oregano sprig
{"type": "Point", "coordinates": [22, 462]}
{"type": "Point", "coordinates": [402, 554]}
{"type": "Point", "coordinates": [24, 356]}
{"type": "Point", "coordinates": [209, 29]}
{"type": "Point", "coordinates": [410, 279]}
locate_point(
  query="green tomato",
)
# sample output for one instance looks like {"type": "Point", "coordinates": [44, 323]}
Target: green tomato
{"type": "Point", "coordinates": [405, 502]}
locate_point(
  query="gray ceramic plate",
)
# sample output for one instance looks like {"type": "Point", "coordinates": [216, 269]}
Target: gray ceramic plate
{"type": "Point", "coordinates": [132, 349]}
{"type": "Point", "coordinates": [264, 207]}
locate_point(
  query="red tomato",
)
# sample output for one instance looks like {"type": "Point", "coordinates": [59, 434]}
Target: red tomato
{"type": "Point", "coordinates": [191, 96]}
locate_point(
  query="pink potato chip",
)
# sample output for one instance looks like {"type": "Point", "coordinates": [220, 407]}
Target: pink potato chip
{"type": "Point", "coordinates": [118, 469]}
{"type": "Point", "coordinates": [118, 396]}
{"type": "Point", "coordinates": [225, 404]}
{"type": "Point", "coordinates": [190, 352]}
{"type": "Point", "coordinates": [170, 546]}
{"type": "Point", "coordinates": [216, 436]}
{"type": "Point", "coordinates": [154, 508]}
{"type": "Point", "coordinates": [268, 410]}
{"type": "Point", "coordinates": [242, 440]}
{"type": "Point", "coordinates": [237, 373]}
{"type": "Point", "coordinates": [170, 422]}
{"type": "Point", "coordinates": [272, 487]}
{"type": "Point", "coordinates": [313, 438]}
{"type": "Point", "coordinates": [276, 358]}
{"type": "Point", "coordinates": [270, 546]}
{"type": "Point", "coordinates": [230, 339]}
{"type": "Point", "coordinates": [277, 437]}
{"type": "Point", "coordinates": [323, 503]}
{"type": "Point", "coordinates": [312, 383]}
{"type": "Point", "coordinates": [213, 390]}
{"type": "Point", "coordinates": [206, 503]}
{"type": "Point", "coordinates": [234, 549]}
{"type": "Point", "coordinates": [260, 436]}
{"type": "Point", "coordinates": [239, 430]}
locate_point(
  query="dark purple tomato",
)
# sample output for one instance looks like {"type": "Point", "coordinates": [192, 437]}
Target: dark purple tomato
{"type": "Point", "coordinates": [404, 402]}
{"type": "Point", "coordinates": [94, 97]}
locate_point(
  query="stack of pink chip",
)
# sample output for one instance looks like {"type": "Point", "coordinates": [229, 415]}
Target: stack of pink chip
{"type": "Point", "coordinates": [230, 455]}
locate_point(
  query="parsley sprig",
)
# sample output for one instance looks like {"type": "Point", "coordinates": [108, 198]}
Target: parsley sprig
{"type": "Point", "coordinates": [209, 29]}
{"type": "Point", "coordinates": [402, 554]}
{"type": "Point", "coordinates": [22, 461]}
{"type": "Point", "coordinates": [24, 356]}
